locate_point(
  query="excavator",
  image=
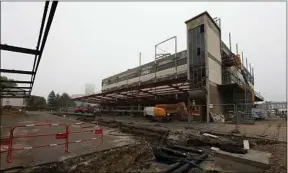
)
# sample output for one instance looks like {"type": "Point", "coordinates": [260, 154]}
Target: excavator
{"type": "Point", "coordinates": [167, 112]}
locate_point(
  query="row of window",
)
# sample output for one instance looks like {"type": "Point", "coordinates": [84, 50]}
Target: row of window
{"type": "Point", "coordinates": [146, 71]}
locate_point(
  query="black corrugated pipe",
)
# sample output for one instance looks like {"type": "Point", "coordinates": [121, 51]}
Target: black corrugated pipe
{"type": "Point", "coordinates": [183, 168]}
{"type": "Point", "coordinates": [187, 149]}
{"type": "Point", "coordinates": [173, 152]}
{"type": "Point", "coordinates": [172, 168]}
{"type": "Point", "coordinates": [191, 164]}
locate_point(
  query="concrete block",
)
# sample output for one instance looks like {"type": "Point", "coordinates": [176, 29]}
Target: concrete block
{"type": "Point", "coordinates": [254, 158]}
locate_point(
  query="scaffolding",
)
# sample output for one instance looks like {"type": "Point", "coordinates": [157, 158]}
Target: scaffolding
{"type": "Point", "coordinates": [234, 71]}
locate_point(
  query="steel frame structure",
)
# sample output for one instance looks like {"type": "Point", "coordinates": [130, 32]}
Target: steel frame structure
{"type": "Point", "coordinates": [134, 94]}
{"type": "Point", "coordinates": [24, 92]}
{"type": "Point", "coordinates": [167, 89]}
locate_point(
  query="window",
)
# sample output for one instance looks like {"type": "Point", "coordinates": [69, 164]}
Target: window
{"type": "Point", "coordinates": [198, 51]}
{"type": "Point", "coordinates": [202, 28]}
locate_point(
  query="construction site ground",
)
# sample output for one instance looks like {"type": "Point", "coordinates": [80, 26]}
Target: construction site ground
{"type": "Point", "coordinates": [124, 153]}
{"type": "Point", "coordinates": [272, 129]}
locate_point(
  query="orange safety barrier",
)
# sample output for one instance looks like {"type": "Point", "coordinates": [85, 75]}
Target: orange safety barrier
{"type": "Point", "coordinates": [65, 135]}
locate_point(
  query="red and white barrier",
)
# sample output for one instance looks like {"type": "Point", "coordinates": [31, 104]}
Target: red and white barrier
{"type": "Point", "coordinates": [7, 143]}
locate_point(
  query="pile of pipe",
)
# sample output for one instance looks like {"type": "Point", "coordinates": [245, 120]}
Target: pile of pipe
{"type": "Point", "coordinates": [183, 159]}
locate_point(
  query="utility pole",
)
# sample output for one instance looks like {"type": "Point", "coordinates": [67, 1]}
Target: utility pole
{"type": "Point", "coordinates": [139, 82]}
{"type": "Point", "coordinates": [230, 42]}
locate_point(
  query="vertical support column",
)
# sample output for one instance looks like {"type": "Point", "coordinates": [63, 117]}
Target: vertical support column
{"type": "Point", "coordinates": [139, 82]}
{"type": "Point", "coordinates": [207, 80]}
{"type": "Point", "coordinates": [176, 58]}
{"type": "Point", "coordinates": [246, 63]}
{"type": "Point", "coordinates": [242, 59]}
{"type": "Point", "coordinates": [230, 42]}
{"type": "Point", "coordinates": [131, 110]}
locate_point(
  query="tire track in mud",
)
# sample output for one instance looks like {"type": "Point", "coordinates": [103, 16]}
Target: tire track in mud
{"type": "Point", "coordinates": [278, 129]}
{"type": "Point", "coordinates": [264, 133]}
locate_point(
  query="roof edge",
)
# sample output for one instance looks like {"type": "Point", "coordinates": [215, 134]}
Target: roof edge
{"type": "Point", "coordinates": [202, 14]}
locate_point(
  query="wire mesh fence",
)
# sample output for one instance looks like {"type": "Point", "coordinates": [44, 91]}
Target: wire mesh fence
{"type": "Point", "coordinates": [228, 113]}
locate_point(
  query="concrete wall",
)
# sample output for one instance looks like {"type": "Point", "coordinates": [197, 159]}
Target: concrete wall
{"type": "Point", "coordinates": [214, 52]}
{"type": "Point", "coordinates": [215, 74]}
{"type": "Point", "coordinates": [216, 99]}
{"type": "Point", "coordinates": [196, 22]}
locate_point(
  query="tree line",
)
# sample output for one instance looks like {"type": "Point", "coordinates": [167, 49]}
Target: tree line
{"type": "Point", "coordinates": [54, 102]}
{"type": "Point", "coordinates": [10, 84]}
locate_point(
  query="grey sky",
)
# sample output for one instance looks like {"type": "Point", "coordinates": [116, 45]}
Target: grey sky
{"type": "Point", "coordinates": [90, 41]}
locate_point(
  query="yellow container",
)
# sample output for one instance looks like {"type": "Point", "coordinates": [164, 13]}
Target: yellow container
{"type": "Point", "coordinates": [159, 112]}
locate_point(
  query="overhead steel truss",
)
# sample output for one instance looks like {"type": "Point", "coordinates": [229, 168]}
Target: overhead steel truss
{"type": "Point", "coordinates": [161, 90]}
{"type": "Point", "coordinates": [23, 92]}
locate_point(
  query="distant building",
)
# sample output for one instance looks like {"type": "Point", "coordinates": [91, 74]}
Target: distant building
{"type": "Point", "coordinates": [269, 105]}
{"type": "Point", "coordinates": [89, 89]}
{"type": "Point", "coordinates": [77, 95]}
{"type": "Point", "coordinates": [79, 103]}
{"type": "Point", "coordinates": [274, 108]}
{"type": "Point", "coordinates": [14, 102]}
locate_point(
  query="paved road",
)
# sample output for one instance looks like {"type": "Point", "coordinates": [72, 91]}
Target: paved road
{"type": "Point", "coordinates": [53, 153]}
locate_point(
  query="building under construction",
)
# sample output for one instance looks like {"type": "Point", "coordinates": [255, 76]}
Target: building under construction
{"type": "Point", "coordinates": [208, 72]}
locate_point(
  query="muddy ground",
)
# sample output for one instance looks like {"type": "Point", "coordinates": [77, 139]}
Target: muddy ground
{"type": "Point", "coordinates": [278, 150]}
{"type": "Point", "coordinates": [278, 160]}
{"type": "Point", "coordinates": [139, 156]}
{"type": "Point", "coordinates": [115, 160]}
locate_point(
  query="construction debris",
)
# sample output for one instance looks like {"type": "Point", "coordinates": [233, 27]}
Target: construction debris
{"type": "Point", "coordinates": [217, 118]}
{"type": "Point", "coordinates": [246, 144]}
{"type": "Point", "coordinates": [114, 160]}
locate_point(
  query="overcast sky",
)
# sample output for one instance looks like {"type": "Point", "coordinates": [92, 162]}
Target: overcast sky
{"type": "Point", "coordinates": [90, 41]}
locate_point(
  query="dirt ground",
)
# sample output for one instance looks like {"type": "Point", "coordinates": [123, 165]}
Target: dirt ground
{"type": "Point", "coordinates": [278, 160]}
{"type": "Point", "coordinates": [138, 157]}
{"type": "Point", "coordinates": [274, 129]}
{"type": "Point", "coordinates": [131, 158]}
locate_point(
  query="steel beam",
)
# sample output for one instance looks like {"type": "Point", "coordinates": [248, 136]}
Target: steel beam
{"type": "Point", "coordinates": [47, 29]}
{"type": "Point", "coordinates": [16, 96]}
{"type": "Point", "coordinates": [41, 32]}
{"type": "Point", "coordinates": [15, 81]}
{"type": "Point", "coordinates": [45, 35]}
{"type": "Point", "coordinates": [177, 88]}
{"type": "Point", "coordinates": [153, 94]}
{"type": "Point", "coordinates": [16, 87]}
{"type": "Point", "coordinates": [16, 71]}
{"type": "Point", "coordinates": [17, 91]}
{"type": "Point", "coordinates": [144, 86]}
{"type": "Point", "coordinates": [19, 49]}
